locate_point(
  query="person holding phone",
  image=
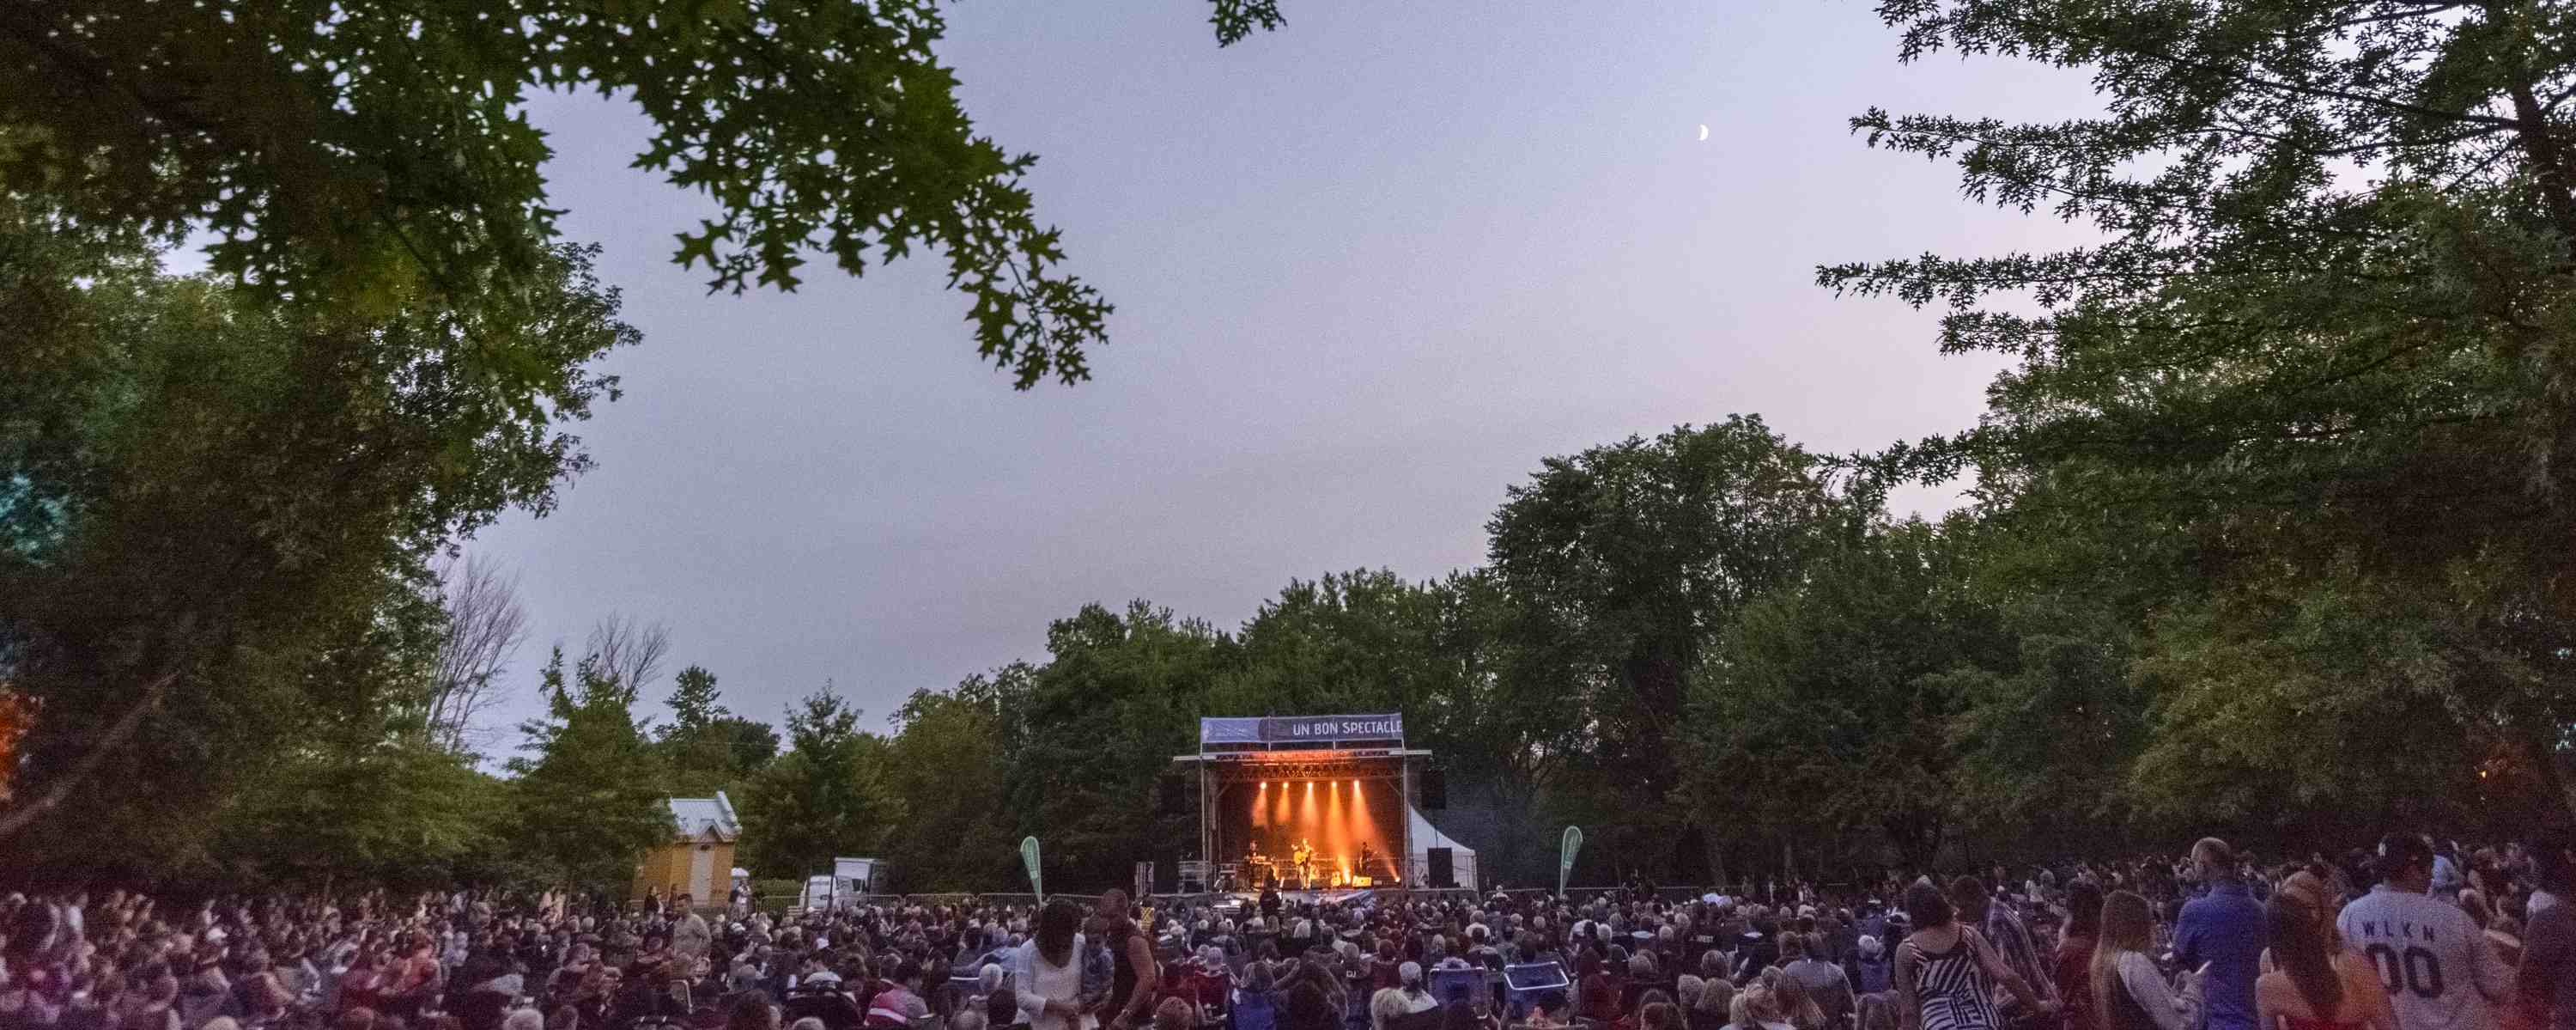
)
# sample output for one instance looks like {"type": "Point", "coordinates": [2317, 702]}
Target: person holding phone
{"type": "Point", "coordinates": [2222, 930]}
{"type": "Point", "coordinates": [2129, 991]}
{"type": "Point", "coordinates": [1047, 971]}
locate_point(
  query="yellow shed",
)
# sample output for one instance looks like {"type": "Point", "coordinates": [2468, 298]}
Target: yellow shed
{"type": "Point", "coordinates": [698, 859]}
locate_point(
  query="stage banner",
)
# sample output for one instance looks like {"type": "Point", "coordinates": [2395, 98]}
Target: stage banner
{"type": "Point", "coordinates": [1291, 729]}
{"type": "Point", "coordinates": [1565, 851]}
{"type": "Point", "coordinates": [1229, 731]}
{"type": "Point", "coordinates": [1029, 858]}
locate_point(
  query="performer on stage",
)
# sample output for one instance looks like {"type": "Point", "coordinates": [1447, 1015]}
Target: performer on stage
{"type": "Point", "coordinates": [1303, 857]}
{"type": "Point", "coordinates": [1368, 860]}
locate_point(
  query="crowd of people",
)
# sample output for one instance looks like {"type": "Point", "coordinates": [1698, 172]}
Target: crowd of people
{"type": "Point", "coordinates": [2412, 935]}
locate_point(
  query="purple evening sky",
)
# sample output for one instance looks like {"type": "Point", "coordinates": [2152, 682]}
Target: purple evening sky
{"type": "Point", "coordinates": [1369, 270]}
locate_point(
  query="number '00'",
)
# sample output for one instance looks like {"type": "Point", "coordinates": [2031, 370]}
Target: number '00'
{"type": "Point", "coordinates": [2417, 970]}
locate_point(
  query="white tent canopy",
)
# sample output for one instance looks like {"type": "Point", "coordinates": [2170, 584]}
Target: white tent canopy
{"type": "Point", "coordinates": [1462, 859]}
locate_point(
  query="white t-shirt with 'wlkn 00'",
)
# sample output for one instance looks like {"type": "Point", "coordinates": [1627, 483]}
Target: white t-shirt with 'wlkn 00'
{"type": "Point", "coordinates": [2440, 972]}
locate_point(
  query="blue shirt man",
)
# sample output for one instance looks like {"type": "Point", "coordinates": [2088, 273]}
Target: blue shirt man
{"type": "Point", "coordinates": [2223, 927]}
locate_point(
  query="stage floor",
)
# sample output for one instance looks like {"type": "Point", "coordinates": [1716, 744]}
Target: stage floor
{"type": "Point", "coordinates": [1346, 896]}
{"type": "Point", "coordinates": [1330, 896]}
{"type": "Point", "coordinates": [1250, 901]}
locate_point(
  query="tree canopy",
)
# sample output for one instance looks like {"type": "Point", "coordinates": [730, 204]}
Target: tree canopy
{"type": "Point", "coordinates": [215, 513]}
{"type": "Point", "coordinates": [2318, 359]}
{"type": "Point", "coordinates": [1626, 558]}
{"type": "Point", "coordinates": [371, 152]}
{"type": "Point", "coordinates": [826, 796]}
{"type": "Point", "coordinates": [589, 790]}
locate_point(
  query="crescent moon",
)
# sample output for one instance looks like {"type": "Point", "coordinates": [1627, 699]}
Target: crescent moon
{"type": "Point", "coordinates": [1703, 133]}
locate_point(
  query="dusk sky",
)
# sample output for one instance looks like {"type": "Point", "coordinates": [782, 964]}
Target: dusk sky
{"type": "Point", "coordinates": [1370, 269]}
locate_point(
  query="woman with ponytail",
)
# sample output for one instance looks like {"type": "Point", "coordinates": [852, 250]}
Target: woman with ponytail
{"type": "Point", "coordinates": [2310, 986]}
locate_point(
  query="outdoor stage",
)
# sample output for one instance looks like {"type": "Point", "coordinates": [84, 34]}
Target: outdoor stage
{"type": "Point", "coordinates": [1316, 805]}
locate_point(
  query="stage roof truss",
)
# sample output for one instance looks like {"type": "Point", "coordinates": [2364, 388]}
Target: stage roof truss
{"type": "Point", "coordinates": [1308, 769]}
{"type": "Point", "coordinates": [1232, 767]}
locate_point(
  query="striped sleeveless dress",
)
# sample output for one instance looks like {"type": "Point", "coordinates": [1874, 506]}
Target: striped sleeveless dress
{"type": "Point", "coordinates": [1951, 987]}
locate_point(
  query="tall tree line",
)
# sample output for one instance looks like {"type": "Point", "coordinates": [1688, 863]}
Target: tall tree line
{"type": "Point", "coordinates": [2267, 530]}
{"type": "Point", "coordinates": [1713, 648]}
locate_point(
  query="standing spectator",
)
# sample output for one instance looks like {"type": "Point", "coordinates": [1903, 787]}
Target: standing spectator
{"type": "Point", "coordinates": [1870, 961]}
{"type": "Point", "coordinates": [1842, 939]}
{"type": "Point", "coordinates": [1134, 977]}
{"type": "Point", "coordinates": [2221, 930]}
{"type": "Point", "coordinates": [2548, 974]}
{"type": "Point", "coordinates": [2431, 958]}
{"type": "Point", "coordinates": [691, 938]}
{"type": "Point", "coordinates": [1047, 971]}
{"type": "Point", "coordinates": [2010, 939]}
{"type": "Point", "coordinates": [2310, 989]}
{"type": "Point", "coordinates": [1758, 947]}
{"type": "Point", "coordinates": [2447, 879]}
{"type": "Point", "coordinates": [1946, 972]}
{"type": "Point", "coordinates": [2544, 896]}
{"type": "Point", "coordinates": [2127, 988]}
{"type": "Point", "coordinates": [2072, 966]}
{"type": "Point", "coordinates": [2316, 899]}
{"type": "Point", "coordinates": [1872, 922]}
{"type": "Point", "coordinates": [1824, 981]}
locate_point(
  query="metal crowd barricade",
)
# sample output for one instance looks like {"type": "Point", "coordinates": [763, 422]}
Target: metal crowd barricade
{"type": "Point", "coordinates": [1009, 900]}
